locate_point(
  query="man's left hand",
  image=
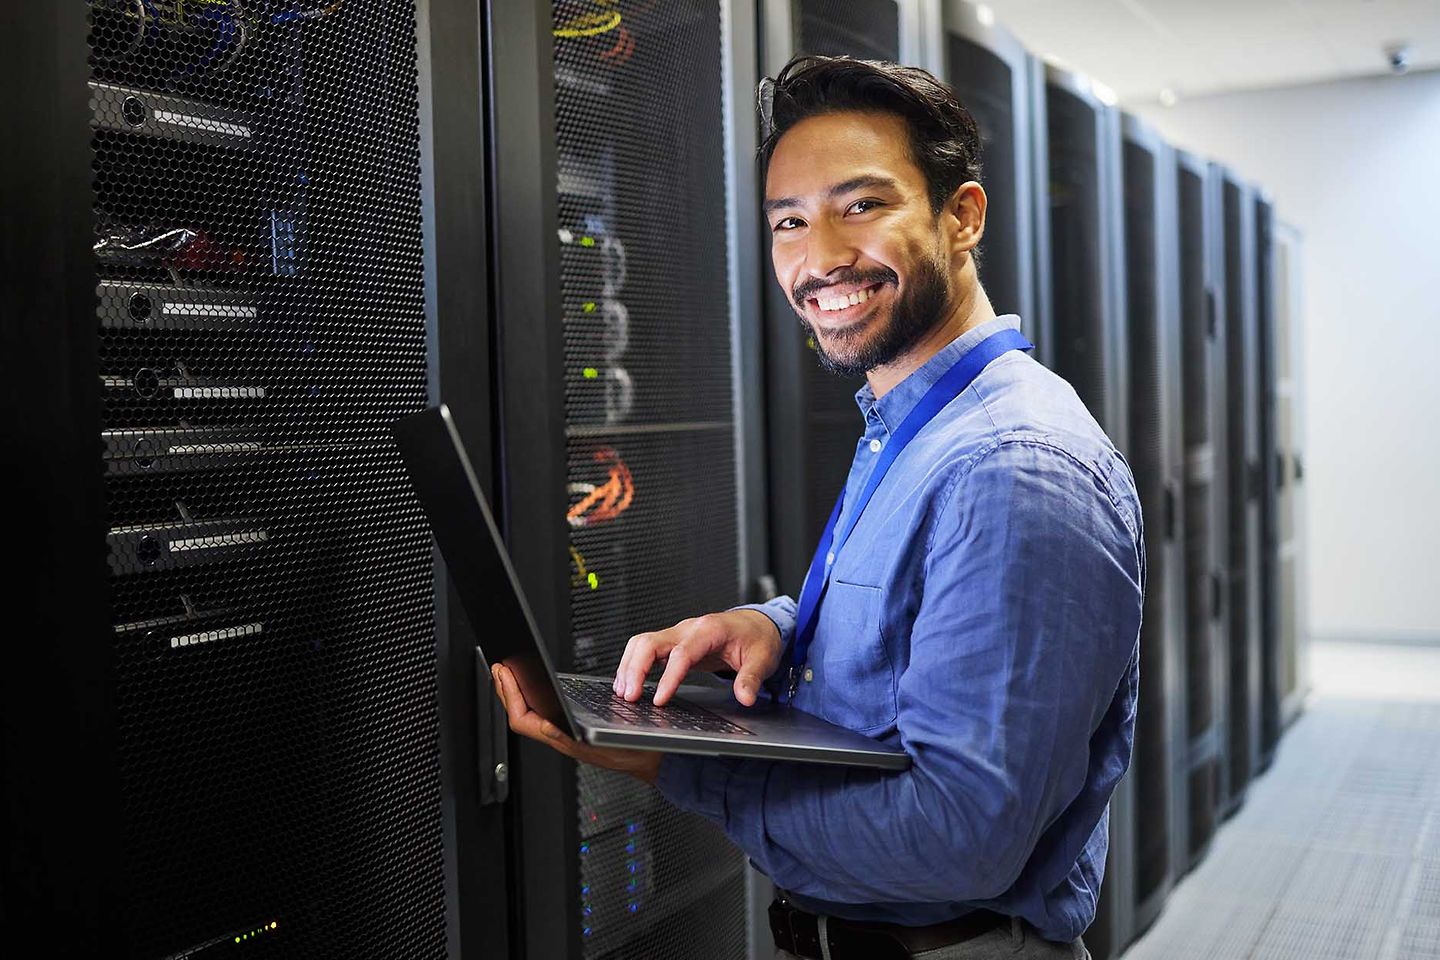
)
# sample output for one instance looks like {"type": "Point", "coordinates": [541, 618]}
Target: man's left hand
{"type": "Point", "coordinates": [642, 764]}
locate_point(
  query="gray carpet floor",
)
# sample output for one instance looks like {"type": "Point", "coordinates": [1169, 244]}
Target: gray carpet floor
{"type": "Point", "coordinates": [1336, 852]}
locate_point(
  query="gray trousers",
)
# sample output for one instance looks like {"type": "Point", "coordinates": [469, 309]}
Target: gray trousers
{"type": "Point", "coordinates": [1020, 942]}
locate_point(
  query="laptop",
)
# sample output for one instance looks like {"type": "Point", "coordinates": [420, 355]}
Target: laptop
{"type": "Point", "coordinates": [705, 720]}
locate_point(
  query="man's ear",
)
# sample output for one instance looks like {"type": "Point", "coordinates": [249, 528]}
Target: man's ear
{"type": "Point", "coordinates": [964, 217]}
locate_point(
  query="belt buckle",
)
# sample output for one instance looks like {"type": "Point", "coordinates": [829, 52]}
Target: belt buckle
{"type": "Point", "coordinates": [801, 942]}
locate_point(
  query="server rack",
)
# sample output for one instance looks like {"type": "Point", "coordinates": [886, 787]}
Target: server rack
{"type": "Point", "coordinates": [812, 422]}
{"type": "Point", "coordinates": [217, 259]}
{"type": "Point", "coordinates": [1202, 392]}
{"type": "Point", "coordinates": [996, 79]}
{"type": "Point", "coordinates": [1243, 483]}
{"type": "Point", "coordinates": [623, 430]}
{"type": "Point", "coordinates": [1290, 499]}
{"type": "Point", "coordinates": [1268, 479]}
{"type": "Point", "coordinates": [1152, 251]}
{"type": "Point", "coordinates": [1090, 348]}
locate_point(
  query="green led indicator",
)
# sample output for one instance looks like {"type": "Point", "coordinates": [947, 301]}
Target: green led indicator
{"type": "Point", "coordinates": [590, 373]}
{"type": "Point", "coordinates": [587, 241]}
{"type": "Point", "coordinates": [237, 939]}
{"type": "Point", "coordinates": [594, 582]}
{"type": "Point", "coordinates": [589, 306]}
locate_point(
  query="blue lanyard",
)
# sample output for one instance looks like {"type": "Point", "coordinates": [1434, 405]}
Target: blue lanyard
{"type": "Point", "coordinates": [953, 383]}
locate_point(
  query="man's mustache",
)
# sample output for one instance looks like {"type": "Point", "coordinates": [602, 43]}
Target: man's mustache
{"type": "Point", "coordinates": [804, 291]}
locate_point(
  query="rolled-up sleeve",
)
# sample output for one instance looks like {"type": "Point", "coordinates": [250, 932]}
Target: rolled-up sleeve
{"type": "Point", "coordinates": [1025, 640]}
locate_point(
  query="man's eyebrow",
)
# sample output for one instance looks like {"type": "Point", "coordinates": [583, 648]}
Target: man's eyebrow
{"type": "Point", "coordinates": [844, 186]}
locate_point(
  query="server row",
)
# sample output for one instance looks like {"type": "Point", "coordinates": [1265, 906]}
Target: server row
{"type": "Point", "coordinates": [247, 237]}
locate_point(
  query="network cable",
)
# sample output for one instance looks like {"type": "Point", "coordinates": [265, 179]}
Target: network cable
{"type": "Point", "coordinates": [606, 501]}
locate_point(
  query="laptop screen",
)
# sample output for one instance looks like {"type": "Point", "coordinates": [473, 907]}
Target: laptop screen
{"type": "Point", "coordinates": [478, 564]}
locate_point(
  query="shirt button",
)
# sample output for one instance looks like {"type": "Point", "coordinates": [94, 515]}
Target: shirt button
{"type": "Point", "coordinates": [809, 674]}
{"type": "Point", "coordinates": [829, 558]}
{"type": "Point", "coordinates": [875, 446]}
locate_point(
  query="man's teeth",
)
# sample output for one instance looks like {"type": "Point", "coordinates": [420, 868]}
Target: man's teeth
{"type": "Point", "coordinates": [840, 303]}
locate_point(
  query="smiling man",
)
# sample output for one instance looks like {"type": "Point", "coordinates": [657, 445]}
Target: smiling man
{"type": "Point", "coordinates": [976, 598]}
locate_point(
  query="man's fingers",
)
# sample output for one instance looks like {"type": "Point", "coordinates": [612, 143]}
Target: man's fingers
{"type": "Point", "coordinates": [675, 670]}
{"type": "Point", "coordinates": [747, 686]}
{"type": "Point", "coordinates": [640, 656]}
{"type": "Point", "coordinates": [526, 722]}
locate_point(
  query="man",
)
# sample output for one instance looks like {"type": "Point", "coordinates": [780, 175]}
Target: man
{"type": "Point", "coordinates": [984, 611]}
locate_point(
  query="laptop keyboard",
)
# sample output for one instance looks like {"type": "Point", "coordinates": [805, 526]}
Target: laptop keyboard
{"type": "Point", "coordinates": [599, 697]}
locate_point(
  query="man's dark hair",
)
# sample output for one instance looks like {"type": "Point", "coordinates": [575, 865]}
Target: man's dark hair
{"type": "Point", "coordinates": [944, 139]}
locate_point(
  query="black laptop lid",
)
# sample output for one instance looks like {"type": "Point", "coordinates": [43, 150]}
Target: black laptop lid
{"type": "Point", "coordinates": [479, 566]}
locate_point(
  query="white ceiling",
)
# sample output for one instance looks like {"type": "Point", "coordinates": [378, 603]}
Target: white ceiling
{"type": "Point", "coordinates": [1191, 47]}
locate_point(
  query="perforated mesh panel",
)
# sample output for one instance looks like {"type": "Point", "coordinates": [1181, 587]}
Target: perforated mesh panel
{"type": "Point", "coordinates": [258, 244]}
{"type": "Point", "coordinates": [985, 85]}
{"type": "Point", "coordinates": [1147, 460]}
{"type": "Point", "coordinates": [650, 428]}
{"type": "Point", "coordinates": [865, 29]}
{"type": "Point", "coordinates": [1196, 353]}
{"type": "Point", "coordinates": [1075, 240]}
{"type": "Point", "coordinates": [1268, 453]}
{"type": "Point", "coordinates": [1239, 404]}
{"type": "Point", "coordinates": [1204, 803]}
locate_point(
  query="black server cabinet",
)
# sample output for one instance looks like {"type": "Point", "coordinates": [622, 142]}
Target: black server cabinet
{"type": "Point", "coordinates": [1271, 681]}
{"type": "Point", "coordinates": [225, 734]}
{"type": "Point", "coordinates": [813, 423]}
{"type": "Point", "coordinates": [1202, 429]}
{"type": "Point", "coordinates": [998, 80]}
{"type": "Point", "coordinates": [1156, 456]}
{"type": "Point", "coordinates": [1089, 349]}
{"type": "Point", "coordinates": [622, 425]}
{"type": "Point", "coordinates": [1243, 472]}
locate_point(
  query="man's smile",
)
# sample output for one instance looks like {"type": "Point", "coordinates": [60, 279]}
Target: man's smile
{"type": "Point", "coordinates": [842, 303]}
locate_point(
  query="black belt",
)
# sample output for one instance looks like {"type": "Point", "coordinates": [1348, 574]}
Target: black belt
{"type": "Point", "coordinates": [798, 931]}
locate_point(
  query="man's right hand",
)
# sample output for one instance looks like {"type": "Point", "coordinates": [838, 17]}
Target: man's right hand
{"type": "Point", "coordinates": [745, 641]}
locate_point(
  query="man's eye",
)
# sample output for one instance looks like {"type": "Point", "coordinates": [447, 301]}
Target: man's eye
{"type": "Point", "coordinates": [864, 206]}
{"type": "Point", "coordinates": [788, 223]}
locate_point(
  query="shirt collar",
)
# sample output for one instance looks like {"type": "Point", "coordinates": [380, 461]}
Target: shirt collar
{"type": "Point", "coordinates": [890, 410]}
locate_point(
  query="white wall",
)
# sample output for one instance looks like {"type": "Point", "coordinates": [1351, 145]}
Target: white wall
{"type": "Point", "coordinates": [1355, 165]}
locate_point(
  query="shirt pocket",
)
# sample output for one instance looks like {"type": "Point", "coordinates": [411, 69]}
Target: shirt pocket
{"type": "Point", "coordinates": [854, 678]}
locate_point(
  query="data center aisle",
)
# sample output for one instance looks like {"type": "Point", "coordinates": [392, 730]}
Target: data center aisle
{"type": "Point", "coordinates": [1336, 853]}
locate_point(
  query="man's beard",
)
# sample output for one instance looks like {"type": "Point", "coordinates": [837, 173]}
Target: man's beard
{"type": "Point", "coordinates": [914, 314]}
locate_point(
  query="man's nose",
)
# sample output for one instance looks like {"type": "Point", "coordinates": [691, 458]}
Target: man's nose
{"type": "Point", "coordinates": [827, 250]}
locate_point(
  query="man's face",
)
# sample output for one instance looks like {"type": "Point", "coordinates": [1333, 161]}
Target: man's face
{"type": "Point", "coordinates": [854, 240]}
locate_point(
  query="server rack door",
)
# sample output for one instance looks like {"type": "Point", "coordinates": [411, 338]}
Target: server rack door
{"type": "Point", "coordinates": [454, 155]}
{"type": "Point", "coordinates": [246, 314]}
{"type": "Point", "coordinates": [1198, 331]}
{"type": "Point", "coordinates": [1089, 350]}
{"type": "Point", "coordinates": [1149, 238]}
{"type": "Point", "coordinates": [1268, 480]}
{"type": "Point", "coordinates": [60, 874]}
{"type": "Point", "coordinates": [813, 421]}
{"type": "Point", "coordinates": [1290, 524]}
{"type": "Point", "coordinates": [1243, 496]}
{"type": "Point", "coordinates": [631, 443]}
{"type": "Point", "coordinates": [1221, 599]}
{"type": "Point", "coordinates": [989, 71]}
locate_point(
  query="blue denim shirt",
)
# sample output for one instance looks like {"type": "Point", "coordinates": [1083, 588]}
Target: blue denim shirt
{"type": "Point", "coordinates": [985, 615]}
